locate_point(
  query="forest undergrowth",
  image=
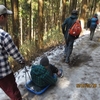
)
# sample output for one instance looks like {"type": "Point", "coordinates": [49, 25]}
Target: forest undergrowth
{"type": "Point", "coordinates": [30, 52]}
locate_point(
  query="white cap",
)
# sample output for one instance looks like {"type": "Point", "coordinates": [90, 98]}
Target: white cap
{"type": "Point", "coordinates": [4, 10]}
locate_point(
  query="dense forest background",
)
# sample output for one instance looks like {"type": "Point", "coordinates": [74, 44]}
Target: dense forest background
{"type": "Point", "coordinates": [35, 25]}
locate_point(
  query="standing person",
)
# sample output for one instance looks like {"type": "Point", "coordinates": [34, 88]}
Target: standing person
{"type": "Point", "coordinates": [93, 25]}
{"type": "Point", "coordinates": [43, 74]}
{"type": "Point", "coordinates": [69, 39]}
{"type": "Point", "coordinates": [7, 47]}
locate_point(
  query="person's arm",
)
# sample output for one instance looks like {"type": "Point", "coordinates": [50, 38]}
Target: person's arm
{"type": "Point", "coordinates": [49, 79]}
{"type": "Point", "coordinates": [64, 26]}
{"type": "Point", "coordinates": [53, 68]}
{"type": "Point", "coordinates": [11, 49]}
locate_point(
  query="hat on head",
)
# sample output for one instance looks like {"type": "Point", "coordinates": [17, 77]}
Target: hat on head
{"type": "Point", "coordinates": [44, 61]}
{"type": "Point", "coordinates": [74, 12]}
{"type": "Point", "coordinates": [4, 10]}
{"type": "Point", "coordinates": [96, 15]}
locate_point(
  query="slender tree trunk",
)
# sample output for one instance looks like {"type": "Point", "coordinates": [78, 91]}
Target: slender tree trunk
{"type": "Point", "coordinates": [15, 22]}
{"type": "Point", "coordinates": [21, 30]}
{"type": "Point", "coordinates": [40, 24]}
{"type": "Point", "coordinates": [94, 7]}
{"type": "Point", "coordinates": [70, 8]}
{"type": "Point", "coordinates": [30, 24]}
{"type": "Point", "coordinates": [63, 9]}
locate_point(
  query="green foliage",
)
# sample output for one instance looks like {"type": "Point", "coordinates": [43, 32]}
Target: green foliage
{"type": "Point", "coordinates": [1, 1]}
{"type": "Point", "coordinates": [28, 49]}
{"type": "Point", "coordinates": [50, 39]}
{"type": "Point", "coordinates": [53, 37]}
{"type": "Point", "coordinates": [24, 8]}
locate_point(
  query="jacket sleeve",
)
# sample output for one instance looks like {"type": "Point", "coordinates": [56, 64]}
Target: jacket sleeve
{"type": "Point", "coordinates": [49, 79]}
{"type": "Point", "coordinates": [64, 26]}
{"type": "Point", "coordinates": [53, 68]}
{"type": "Point", "coordinates": [11, 49]}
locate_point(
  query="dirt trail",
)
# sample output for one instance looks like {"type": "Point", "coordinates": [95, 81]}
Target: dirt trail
{"type": "Point", "coordinates": [81, 79]}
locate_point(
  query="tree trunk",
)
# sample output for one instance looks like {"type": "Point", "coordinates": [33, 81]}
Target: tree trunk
{"type": "Point", "coordinates": [15, 22]}
{"type": "Point", "coordinates": [40, 24]}
{"type": "Point", "coordinates": [63, 10]}
{"type": "Point", "coordinates": [21, 31]}
{"type": "Point", "coordinates": [30, 24]}
{"type": "Point", "coordinates": [94, 7]}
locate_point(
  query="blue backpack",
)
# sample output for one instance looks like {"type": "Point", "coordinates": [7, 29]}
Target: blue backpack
{"type": "Point", "coordinates": [93, 22]}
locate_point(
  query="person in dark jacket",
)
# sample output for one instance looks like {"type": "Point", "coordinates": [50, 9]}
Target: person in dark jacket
{"type": "Point", "coordinates": [69, 39]}
{"type": "Point", "coordinates": [93, 25]}
{"type": "Point", "coordinates": [43, 75]}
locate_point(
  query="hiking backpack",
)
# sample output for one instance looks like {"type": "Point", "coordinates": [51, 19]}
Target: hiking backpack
{"type": "Point", "coordinates": [94, 22]}
{"type": "Point", "coordinates": [76, 29]}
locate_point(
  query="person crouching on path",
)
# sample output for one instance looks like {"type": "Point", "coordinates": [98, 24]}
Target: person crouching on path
{"type": "Point", "coordinates": [43, 75]}
{"type": "Point", "coordinates": [69, 39]}
{"type": "Point", "coordinates": [7, 47]}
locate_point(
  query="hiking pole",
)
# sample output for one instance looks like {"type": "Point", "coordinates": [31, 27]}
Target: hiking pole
{"type": "Point", "coordinates": [26, 73]}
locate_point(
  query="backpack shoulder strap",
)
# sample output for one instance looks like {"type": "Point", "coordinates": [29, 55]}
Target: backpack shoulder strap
{"type": "Point", "coordinates": [74, 20]}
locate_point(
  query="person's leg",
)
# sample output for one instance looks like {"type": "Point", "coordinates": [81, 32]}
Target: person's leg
{"type": "Point", "coordinates": [66, 45]}
{"type": "Point", "coordinates": [92, 33]}
{"type": "Point", "coordinates": [65, 50]}
{"type": "Point", "coordinates": [69, 51]}
{"type": "Point", "coordinates": [9, 86]}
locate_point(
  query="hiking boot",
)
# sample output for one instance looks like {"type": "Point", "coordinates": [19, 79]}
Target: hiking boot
{"type": "Point", "coordinates": [64, 56]}
{"type": "Point", "coordinates": [67, 61]}
{"type": "Point", "coordinates": [90, 39]}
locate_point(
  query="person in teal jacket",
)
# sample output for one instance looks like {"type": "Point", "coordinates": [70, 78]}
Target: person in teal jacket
{"type": "Point", "coordinates": [43, 75]}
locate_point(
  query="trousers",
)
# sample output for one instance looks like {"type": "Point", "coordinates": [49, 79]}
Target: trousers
{"type": "Point", "coordinates": [69, 47]}
{"type": "Point", "coordinates": [92, 30]}
{"type": "Point", "coordinates": [9, 86]}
